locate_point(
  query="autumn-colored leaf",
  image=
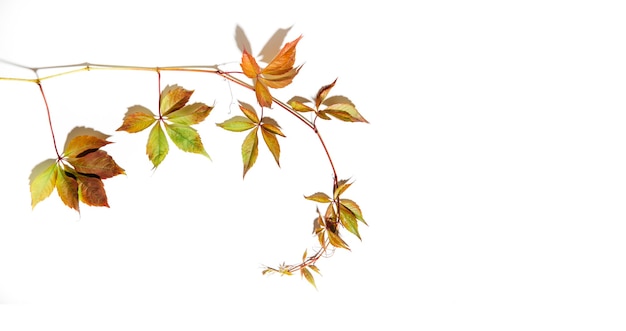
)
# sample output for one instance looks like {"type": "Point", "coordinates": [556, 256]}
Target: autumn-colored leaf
{"type": "Point", "coordinates": [91, 191]}
{"type": "Point", "coordinates": [318, 197]}
{"type": "Point", "coordinates": [304, 255]}
{"type": "Point", "coordinates": [309, 277]}
{"type": "Point", "coordinates": [323, 93]}
{"type": "Point", "coordinates": [348, 220]}
{"type": "Point", "coordinates": [190, 114]}
{"type": "Point", "coordinates": [300, 106]}
{"type": "Point", "coordinates": [137, 119]}
{"type": "Point", "coordinates": [249, 65]}
{"type": "Point", "coordinates": [283, 62]}
{"type": "Point", "coordinates": [345, 112]}
{"type": "Point", "coordinates": [271, 125]}
{"type": "Point", "coordinates": [67, 187]}
{"type": "Point", "coordinates": [342, 186]}
{"type": "Point", "coordinates": [336, 240]}
{"type": "Point", "coordinates": [80, 145]}
{"type": "Point", "coordinates": [250, 150]}
{"type": "Point", "coordinates": [173, 98]}
{"type": "Point", "coordinates": [315, 268]}
{"type": "Point", "coordinates": [263, 95]}
{"type": "Point", "coordinates": [250, 113]}
{"type": "Point", "coordinates": [186, 138]}
{"type": "Point", "coordinates": [272, 143]}
{"type": "Point", "coordinates": [97, 163]}
{"type": "Point", "coordinates": [237, 124]}
{"type": "Point", "coordinates": [354, 208]}
{"type": "Point", "coordinates": [43, 181]}
{"type": "Point", "coordinates": [157, 146]}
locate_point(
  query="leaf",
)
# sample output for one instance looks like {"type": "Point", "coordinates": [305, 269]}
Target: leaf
{"type": "Point", "coordinates": [190, 114]}
{"type": "Point", "coordinates": [309, 277]}
{"type": "Point", "coordinates": [271, 125]}
{"type": "Point", "coordinates": [186, 138]}
{"type": "Point", "coordinates": [173, 98]}
{"type": "Point", "coordinates": [237, 124]}
{"type": "Point", "coordinates": [342, 186]}
{"type": "Point", "coordinates": [272, 143]}
{"type": "Point", "coordinates": [263, 95]}
{"type": "Point", "coordinates": [250, 113]}
{"type": "Point", "coordinates": [157, 146]}
{"type": "Point", "coordinates": [137, 119]}
{"type": "Point", "coordinates": [314, 268]}
{"type": "Point", "coordinates": [319, 197]}
{"type": "Point", "coordinates": [97, 163]}
{"type": "Point", "coordinates": [348, 220]}
{"type": "Point", "coordinates": [81, 145]}
{"type": "Point", "coordinates": [299, 106]}
{"type": "Point", "coordinates": [323, 93]}
{"type": "Point", "coordinates": [249, 65]}
{"type": "Point", "coordinates": [345, 112]}
{"type": "Point", "coordinates": [304, 255]}
{"type": "Point", "coordinates": [283, 62]}
{"type": "Point", "coordinates": [43, 181]}
{"type": "Point", "coordinates": [91, 191]}
{"type": "Point", "coordinates": [250, 150]}
{"type": "Point", "coordinates": [67, 187]}
{"type": "Point", "coordinates": [354, 208]}
{"type": "Point", "coordinates": [336, 240]}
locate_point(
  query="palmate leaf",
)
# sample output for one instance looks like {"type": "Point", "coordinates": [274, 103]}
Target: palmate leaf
{"type": "Point", "coordinates": [77, 175]}
{"type": "Point", "coordinates": [176, 116]}
{"type": "Point", "coordinates": [279, 73]}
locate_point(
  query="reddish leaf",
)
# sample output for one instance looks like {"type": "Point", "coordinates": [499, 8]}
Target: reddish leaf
{"type": "Point", "coordinates": [67, 188]}
{"type": "Point", "coordinates": [263, 95]}
{"type": "Point", "coordinates": [284, 60]}
{"type": "Point", "coordinates": [173, 98]}
{"type": "Point", "coordinates": [83, 144]}
{"type": "Point", "coordinates": [98, 163]}
{"type": "Point", "coordinates": [323, 93]}
{"type": "Point", "coordinates": [91, 191]}
{"type": "Point", "coordinates": [249, 65]}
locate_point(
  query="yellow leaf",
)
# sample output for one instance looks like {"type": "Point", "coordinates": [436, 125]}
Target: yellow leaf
{"type": "Point", "coordinates": [250, 150]}
{"type": "Point", "coordinates": [43, 180]}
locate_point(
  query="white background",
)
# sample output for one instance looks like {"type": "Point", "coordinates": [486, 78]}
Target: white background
{"type": "Point", "coordinates": [491, 174]}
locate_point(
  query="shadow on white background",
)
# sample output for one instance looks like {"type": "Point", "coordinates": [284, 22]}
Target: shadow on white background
{"type": "Point", "coordinates": [492, 173]}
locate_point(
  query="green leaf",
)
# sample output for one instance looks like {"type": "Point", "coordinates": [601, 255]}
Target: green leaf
{"type": "Point", "coordinates": [318, 197]}
{"type": "Point", "coordinates": [43, 181]}
{"type": "Point", "coordinates": [157, 147]}
{"type": "Point", "coordinates": [186, 138]}
{"type": "Point", "coordinates": [309, 277]}
{"type": "Point", "coordinates": [190, 114]}
{"type": "Point", "coordinates": [250, 150]}
{"type": "Point", "coordinates": [237, 124]}
{"type": "Point", "coordinates": [348, 220]}
{"type": "Point", "coordinates": [272, 143]}
{"type": "Point", "coordinates": [354, 208]}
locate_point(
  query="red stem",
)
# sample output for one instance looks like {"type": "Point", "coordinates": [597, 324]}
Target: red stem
{"type": "Point", "coordinates": [54, 141]}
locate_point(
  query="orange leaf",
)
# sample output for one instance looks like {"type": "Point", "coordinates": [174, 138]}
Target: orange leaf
{"type": "Point", "coordinates": [67, 188]}
{"type": "Point", "coordinates": [173, 98]}
{"type": "Point", "coordinates": [272, 143]}
{"type": "Point", "coordinates": [137, 119]}
{"type": "Point", "coordinates": [250, 150]}
{"type": "Point", "coordinates": [263, 95]}
{"type": "Point", "coordinates": [97, 163]}
{"type": "Point", "coordinates": [83, 144]}
{"type": "Point", "coordinates": [284, 60]}
{"type": "Point", "coordinates": [323, 93]}
{"type": "Point", "coordinates": [249, 65]}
